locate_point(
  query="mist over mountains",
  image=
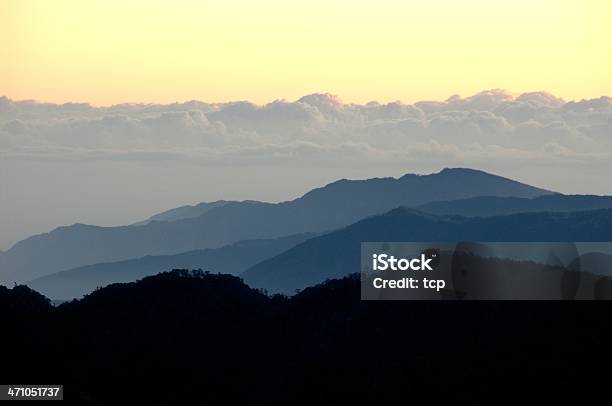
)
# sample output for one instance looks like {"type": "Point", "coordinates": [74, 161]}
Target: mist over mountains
{"type": "Point", "coordinates": [232, 259]}
{"type": "Point", "coordinates": [324, 209]}
{"type": "Point", "coordinates": [273, 246]}
{"type": "Point", "coordinates": [118, 164]}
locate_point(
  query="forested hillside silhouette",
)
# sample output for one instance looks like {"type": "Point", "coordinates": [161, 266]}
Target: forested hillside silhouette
{"type": "Point", "coordinates": [194, 337]}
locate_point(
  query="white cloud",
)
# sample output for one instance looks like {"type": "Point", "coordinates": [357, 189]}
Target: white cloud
{"type": "Point", "coordinates": [317, 127]}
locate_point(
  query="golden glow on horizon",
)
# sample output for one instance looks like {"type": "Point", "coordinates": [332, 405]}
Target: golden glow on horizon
{"type": "Point", "coordinates": [114, 51]}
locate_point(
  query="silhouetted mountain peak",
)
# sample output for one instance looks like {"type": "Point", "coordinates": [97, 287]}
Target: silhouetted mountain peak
{"type": "Point", "coordinates": [460, 174]}
{"type": "Point", "coordinates": [463, 171]}
{"type": "Point", "coordinates": [455, 181]}
{"type": "Point", "coordinates": [449, 172]}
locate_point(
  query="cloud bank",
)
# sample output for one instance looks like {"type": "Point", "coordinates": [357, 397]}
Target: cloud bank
{"type": "Point", "coordinates": [318, 129]}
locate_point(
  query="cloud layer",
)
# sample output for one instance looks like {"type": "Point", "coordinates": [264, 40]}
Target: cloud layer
{"type": "Point", "coordinates": [318, 129]}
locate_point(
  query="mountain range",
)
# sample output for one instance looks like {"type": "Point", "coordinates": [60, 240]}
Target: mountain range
{"type": "Point", "coordinates": [483, 206]}
{"type": "Point", "coordinates": [335, 205]}
{"type": "Point", "coordinates": [337, 254]}
{"type": "Point", "coordinates": [231, 259]}
{"type": "Point", "coordinates": [184, 212]}
{"type": "Point", "coordinates": [286, 264]}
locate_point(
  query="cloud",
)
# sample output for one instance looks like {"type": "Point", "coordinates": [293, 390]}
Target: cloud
{"type": "Point", "coordinates": [318, 129]}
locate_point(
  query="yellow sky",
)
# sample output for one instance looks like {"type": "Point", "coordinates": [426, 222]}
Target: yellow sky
{"type": "Point", "coordinates": [113, 51]}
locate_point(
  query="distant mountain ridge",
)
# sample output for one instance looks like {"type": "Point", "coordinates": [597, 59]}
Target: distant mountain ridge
{"type": "Point", "coordinates": [337, 254]}
{"type": "Point", "coordinates": [483, 206]}
{"type": "Point", "coordinates": [184, 212]}
{"type": "Point", "coordinates": [335, 205]}
{"type": "Point", "coordinates": [231, 259]}
{"type": "Point", "coordinates": [237, 257]}
{"type": "Point", "coordinates": [189, 211]}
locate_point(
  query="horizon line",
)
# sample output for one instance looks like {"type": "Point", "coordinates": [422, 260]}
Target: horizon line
{"type": "Point", "coordinates": [332, 96]}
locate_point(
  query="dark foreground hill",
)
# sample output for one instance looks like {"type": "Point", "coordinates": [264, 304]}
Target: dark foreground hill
{"type": "Point", "coordinates": [337, 254]}
{"type": "Point", "coordinates": [335, 205]}
{"type": "Point", "coordinates": [188, 338]}
{"type": "Point", "coordinates": [232, 259]}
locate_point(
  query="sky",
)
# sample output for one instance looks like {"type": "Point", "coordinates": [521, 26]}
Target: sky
{"type": "Point", "coordinates": [115, 51]}
{"type": "Point", "coordinates": [135, 108]}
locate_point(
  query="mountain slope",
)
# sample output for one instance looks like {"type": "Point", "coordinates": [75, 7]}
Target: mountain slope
{"type": "Point", "coordinates": [184, 212]}
{"type": "Point", "coordinates": [335, 205]}
{"type": "Point", "coordinates": [494, 206]}
{"type": "Point", "coordinates": [231, 259]}
{"type": "Point", "coordinates": [337, 254]}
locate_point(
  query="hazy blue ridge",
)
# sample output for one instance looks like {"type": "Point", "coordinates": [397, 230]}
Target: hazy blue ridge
{"type": "Point", "coordinates": [335, 205]}
{"type": "Point", "coordinates": [231, 259]}
{"type": "Point", "coordinates": [337, 253]}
